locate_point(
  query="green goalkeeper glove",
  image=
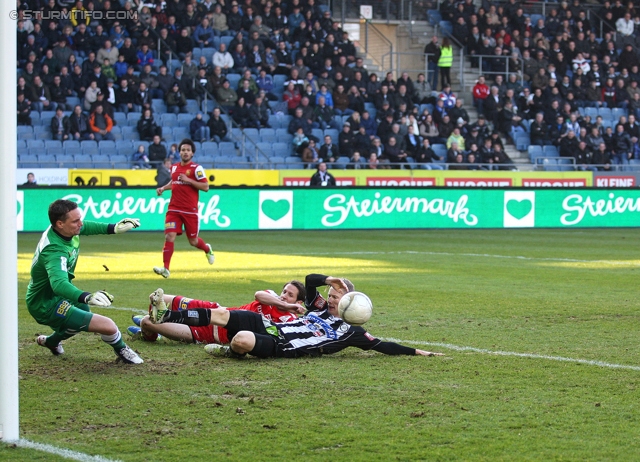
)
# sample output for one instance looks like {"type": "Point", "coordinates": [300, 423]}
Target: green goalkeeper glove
{"type": "Point", "coordinates": [126, 224]}
{"type": "Point", "coordinates": [100, 298]}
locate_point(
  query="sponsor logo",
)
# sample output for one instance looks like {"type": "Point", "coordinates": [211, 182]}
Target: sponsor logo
{"type": "Point", "coordinates": [400, 181]}
{"type": "Point", "coordinates": [577, 206]}
{"type": "Point", "coordinates": [615, 181]}
{"type": "Point", "coordinates": [20, 210]}
{"type": "Point", "coordinates": [554, 183]}
{"type": "Point", "coordinates": [369, 336]}
{"type": "Point", "coordinates": [304, 181]}
{"type": "Point", "coordinates": [478, 182]}
{"type": "Point", "coordinates": [519, 209]}
{"type": "Point", "coordinates": [319, 302]}
{"type": "Point", "coordinates": [192, 314]}
{"type": "Point", "coordinates": [170, 225]}
{"type": "Point", "coordinates": [63, 263]}
{"type": "Point", "coordinates": [184, 303]}
{"type": "Point", "coordinates": [339, 208]}
{"type": "Point", "coordinates": [275, 210]}
{"type": "Point", "coordinates": [343, 327]}
{"type": "Point", "coordinates": [62, 308]}
{"type": "Point", "coordinates": [130, 206]}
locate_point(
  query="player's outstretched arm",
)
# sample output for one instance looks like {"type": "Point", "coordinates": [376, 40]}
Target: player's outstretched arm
{"type": "Point", "coordinates": [428, 353]}
{"type": "Point", "coordinates": [267, 298]}
{"type": "Point", "coordinates": [126, 224]}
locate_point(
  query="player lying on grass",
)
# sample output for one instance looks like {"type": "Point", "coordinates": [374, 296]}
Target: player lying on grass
{"type": "Point", "coordinates": [319, 332]}
{"type": "Point", "coordinates": [267, 303]}
{"type": "Point", "coordinates": [53, 300]}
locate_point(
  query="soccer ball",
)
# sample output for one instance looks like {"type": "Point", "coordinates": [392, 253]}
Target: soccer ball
{"type": "Point", "coordinates": [355, 308]}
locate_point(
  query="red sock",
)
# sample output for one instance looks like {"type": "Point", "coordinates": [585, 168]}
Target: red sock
{"type": "Point", "coordinates": [202, 245]}
{"type": "Point", "coordinates": [167, 253]}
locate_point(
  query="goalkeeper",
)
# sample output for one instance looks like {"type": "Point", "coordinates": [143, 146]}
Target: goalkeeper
{"type": "Point", "coordinates": [53, 300]}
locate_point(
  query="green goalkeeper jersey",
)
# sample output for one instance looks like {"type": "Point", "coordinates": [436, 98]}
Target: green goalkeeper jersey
{"type": "Point", "coordinates": [52, 270]}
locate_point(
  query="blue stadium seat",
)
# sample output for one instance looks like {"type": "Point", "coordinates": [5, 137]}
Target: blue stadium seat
{"type": "Point", "coordinates": [72, 101]}
{"type": "Point", "coordinates": [210, 148]}
{"type": "Point", "coordinates": [317, 133]}
{"type": "Point", "coordinates": [277, 162]}
{"type": "Point", "coordinates": [192, 107]}
{"type": "Point", "coordinates": [73, 151]}
{"type": "Point", "coordinates": [206, 160]}
{"type": "Point", "coordinates": [341, 163]}
{"type": "Point", "coordinates": [35, 118]}
{"type": "Point", "coordinates": [223, 162]}
{"type": "Point", "coordinates": [183, 120]}
{"type": "Point", "coordinates": [264, 149]}
{"type": "Point", "coordinates": [535, 151]}
{"type": "Point", "coordinates": [591, 112]}
{"type": "Point", "coordinates": [440, 150]}
{"type": "Point", "coordinates": [550, 151]}
{"type": "Point", "coordinates": [27, 136]}
{"type": "Point", "coordinates": [523, 142]}
{"type": "Point", "coordinates": [120, 118]}
{"type": "Point", "coordinates": [268, 138]}
{"type": "Point", "coordinates": [549, 164]}
{"type": "Point", "coordinates": [618, 112]}
{"type": "Point", "coordinates": [179, 133]}
{"type": "Point", "coordinates": [294, 162]}
{"type": "Point", "coordinates": [279, 80]}
{"type": "Point", "coordinates": [52, 144]}
{"type": "Point", "coordinates": [227, 148]}
{"type": "Point", "coordinates": [170, 119]}
{"type": "Point", "coordinates": [208, 53]}
{"type": "Point", "coordinates": [35, 144]}
{"type": "Point", "coordinates": [132, 118]}
{"type": "Point", "coordinates": [605, 112]}
{"type": "Point", "coordinates": [89, 147]}
{"type": "Point", "coordinates": [25, 129]}
{"type": "Point", "coordinates": [71, 144]}
{"type": "Point", "coordinates": [226, 41]}
{"type": "Point", "coordinates": [65, 159]}
{"type": "Point", "coordinates": [31, 159]}
{"type": "Point", "coordinates": [252, 133]}
{"type": "Point", "coordinates": [158, 106]}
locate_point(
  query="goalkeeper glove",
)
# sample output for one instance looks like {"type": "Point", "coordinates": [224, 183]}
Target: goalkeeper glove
{"type": "Point", "coordinates": [100, 298]}
{"type": "Point", "coordinates": [126, 224]}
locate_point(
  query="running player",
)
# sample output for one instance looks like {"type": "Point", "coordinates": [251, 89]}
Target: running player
{"type": "Point", "coordinates": [316, 333]}
{"type": "Point", "coordinates": [267, 303]}
{"type": "Point", "coordinates": [53, 300]}
{"type": "Point", "coordinates": [187, 180]}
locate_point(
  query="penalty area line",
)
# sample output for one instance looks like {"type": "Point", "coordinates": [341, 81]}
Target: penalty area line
{"type": "Point", "coordinates": [66, 453]}
{"type": "Point", "coordinates": [449, 346]}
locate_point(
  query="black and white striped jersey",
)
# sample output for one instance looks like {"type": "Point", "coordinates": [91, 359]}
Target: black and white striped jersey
{"type": "Point", "coordinates": [319, 333]}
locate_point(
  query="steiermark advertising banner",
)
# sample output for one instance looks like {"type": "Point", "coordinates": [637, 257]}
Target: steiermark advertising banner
{"type": "Point", "coordinates": [350, 208]}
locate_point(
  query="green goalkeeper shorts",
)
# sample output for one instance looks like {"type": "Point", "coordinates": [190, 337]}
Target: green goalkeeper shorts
{"type": "Point", "coordinates": [67, 317]}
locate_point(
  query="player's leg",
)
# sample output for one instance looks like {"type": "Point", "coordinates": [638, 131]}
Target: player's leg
{"type": "Point", "coordinates": [172, 228]}
{"type": "Point", "coordinates": [66, 320]}
{"type": "Point", "coordinates": [111, 335]}
{"type": "Point", "coordinates": [177, 332]}
{"type": "Point", "coordinates": [260, 345]}
{"type": "Point", "coordinates": [192, 228]}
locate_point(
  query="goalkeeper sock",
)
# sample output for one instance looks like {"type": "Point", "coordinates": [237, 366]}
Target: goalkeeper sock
{"type": "Point", "coordinates": [202, 245]}
{"type": "Point", "coordinates": [54, 339]}
{"type": "Point", "coordinates": [167, 253]}
{"type": "Point", "coordinates": [194, 318]}
{"type": "Point", "coordinates": [114, 340]}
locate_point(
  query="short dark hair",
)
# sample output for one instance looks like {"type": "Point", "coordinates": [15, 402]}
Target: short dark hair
{"type": "Point", "coordinates": [189, 142]}
{"type": "Point", "coordinates": [349, 284]}
{"type": "Point", "coordinates": [302, 291]}
{"type": "Point", "coordinates": [58, 210]}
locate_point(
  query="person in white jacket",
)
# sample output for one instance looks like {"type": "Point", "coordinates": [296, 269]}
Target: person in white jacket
{"type": "Point", "coordinates": [625, 29]}
{"type": "Point", "coordinates": [223, 59]}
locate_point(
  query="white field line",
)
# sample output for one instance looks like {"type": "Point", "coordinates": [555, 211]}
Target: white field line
{"type": "Point", "coordinates": [66, 453]}
{"type": "Point", "coordinates": [118, 308]}
{"type": "Point", "coordinates": [481, 255]}
{"type": "Point", "coordinates": [449, 346]}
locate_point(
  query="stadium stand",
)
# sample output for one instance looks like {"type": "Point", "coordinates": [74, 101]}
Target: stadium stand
{"type": "Point", "coordinates": [554, 61]}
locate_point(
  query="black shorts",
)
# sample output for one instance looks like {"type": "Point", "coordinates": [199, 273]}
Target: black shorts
{"type": "Point", "coordinates": [244, 320]}
{"type": "Point", "coordinates": [266, 344]}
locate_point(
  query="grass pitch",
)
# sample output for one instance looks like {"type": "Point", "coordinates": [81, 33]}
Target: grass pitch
{"type": "Point", "coordinates": [546, 293]}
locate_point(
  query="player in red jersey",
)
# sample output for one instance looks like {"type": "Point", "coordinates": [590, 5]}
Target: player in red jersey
{"type": "Point", "coordinates": [275, 308]}
{"type": "Point", "coordinates": [187, 180]}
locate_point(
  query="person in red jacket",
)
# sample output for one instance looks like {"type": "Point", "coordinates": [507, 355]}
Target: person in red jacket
{"type": "Point", "coordinates": [480, 93]}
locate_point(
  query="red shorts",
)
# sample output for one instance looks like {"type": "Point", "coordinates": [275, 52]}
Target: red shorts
{"type": "Point", "coordinates": [204, 334]}
{"type": "Point", "coordinates": [174, 221]}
